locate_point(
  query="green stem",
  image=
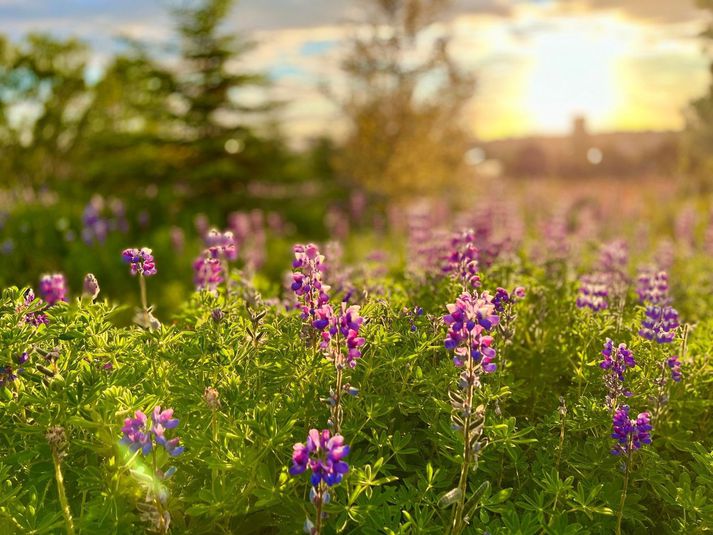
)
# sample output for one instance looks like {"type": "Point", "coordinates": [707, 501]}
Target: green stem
{"type": "Point", "coordinates": [457, 520]}
{"type": "Point", "coordinates": [162, 527]}
{"type": "Point", "coordinates": [66, 511]}
{"type": "Point", "coordinates": [214, 428]}
{"type": "Point", "coordinates": [144, 300]}
{"type": "Point", "coordinates": [620, 514]}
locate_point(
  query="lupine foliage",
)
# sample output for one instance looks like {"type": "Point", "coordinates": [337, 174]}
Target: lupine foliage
{"type": "Point", "coordinates": [247, 386]}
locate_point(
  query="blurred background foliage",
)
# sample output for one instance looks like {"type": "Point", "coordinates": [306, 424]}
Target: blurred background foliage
{"type": "Point", "coordinates": [164, 143]}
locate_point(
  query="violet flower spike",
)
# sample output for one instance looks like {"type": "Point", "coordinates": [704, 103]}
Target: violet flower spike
{"type": "Point", "coordinates": [322, 454]}
{"type": "Point", "coordinates": [141, 261]}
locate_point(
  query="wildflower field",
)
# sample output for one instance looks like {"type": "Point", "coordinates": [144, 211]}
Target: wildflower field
{"type": "Point", "coordinates": [492, 374]}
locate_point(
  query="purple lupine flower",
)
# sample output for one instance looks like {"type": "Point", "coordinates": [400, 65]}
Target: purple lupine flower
{"type": "Point", "coordinates": [33, 318]}
{"type": "Point", "coordinates": [613, 257]}
{"type": "Point", "coordinates": [630, 434]}
{"type": "Point", "coordinates": [502, 298]}
{"type": "Point", "coordinates": [136, 434]}
{"type": "Point", "coordinates": [461, 260]}
{"type": "Point", "coordinates": [163, 420]}
{"type": "Point", "coordinates": [593, 292]}
{"type": "Point", "coordinates": [95, 227]}
{"type": "Point", "coordinates": [675, 365]}
{"type": "Point", "coordinates": [140, 435]}
{"type": "Point", "coordinates": [323, 455]}
{"type": "Point", "coordinates": [652, 287]}
{"type": "Point", "coordinates": [178, 238]}
{"type": "Point", "coordinates": [208, 273]}
{"type": "Point", "coordinates": [554, 244]}
{"type": "Point", "coordinates": [468, 321]}
{"type": "Point", "coordinates": [340, 328]}
{"type": "Point", "coordinates": [660, 324]}
{"type": "Point", "coordinates": [53, 288]}
{"type": "Point", "coordinates": [616, 361]}
{"type": "Point", "coordinates": [307, 279]}
{"type": "Point", "coordinates": [221, 244]}
{"type": "Point", "coordinates": [140, 260]}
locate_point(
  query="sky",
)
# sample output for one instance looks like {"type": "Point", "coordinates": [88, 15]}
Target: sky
{"type": "Point", "coordinates": [623, 64]}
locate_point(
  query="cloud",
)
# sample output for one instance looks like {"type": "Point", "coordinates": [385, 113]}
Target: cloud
{"type": "Point", "coordinates": [654, 11]}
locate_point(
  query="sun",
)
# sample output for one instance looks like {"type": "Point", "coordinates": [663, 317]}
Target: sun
{"type": "Point", "coordinates": [573, 71]}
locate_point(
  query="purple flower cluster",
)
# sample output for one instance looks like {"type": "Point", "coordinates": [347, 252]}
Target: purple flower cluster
{"type": "Point", "coordinates": [630, 434]}
{"type": "Point", "coordinates": [342, 325]}
{"type": "Point", "coordinates": [307, 279]}
{"type": "Point", "coordinates": [53, 288]}
{"type": "Point", "coordinates": [140, 260]}
{"type": "Point", "coordinates": [250, 232]}
{"type": "Point", "coordinates": [502, 298]}
{"type": "Point", "coordinates": [468, 320]}
{"type": "Point", "coordinates": [593, 292]}
{"type": "Point", "coordinates": [221, 244]}
{"type": "Point", "coordinates": [323, 455]}
{"type": "Point", "coordinates": [208, 273]}
{"type": "Point", "coordinates": [98, 221]}
{"type": "Point", "coordinates": [461, 260]}
{"type": "Point", "coordinates": [675, 366]}
{"type": "Point", "coordinates": [660, 324]}
{"type": "Point", "coordinates": [33, 318]}
{"type": "Point", "coordinates": [613, 257]}
{"type": "Point", "coordinates": [652, 287]}
{"type": "Point", "coordinates": [8, 374]}
{"type": "Point", "coordinates": [616, 361]}
{"type": "Point", "coordinates": [139, 435]}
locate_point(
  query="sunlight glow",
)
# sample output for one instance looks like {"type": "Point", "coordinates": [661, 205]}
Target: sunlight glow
{"type": "Point", "coordinates": [573, 72]}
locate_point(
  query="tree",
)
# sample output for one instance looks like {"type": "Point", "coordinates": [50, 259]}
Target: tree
{"type": "Point", "coordinates": [404, 106]}
{"type": "Point", "coordinates": [43, 108]}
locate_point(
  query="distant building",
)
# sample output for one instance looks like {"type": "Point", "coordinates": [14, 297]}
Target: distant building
{"type": "Point", "coordinates": [582, 153]}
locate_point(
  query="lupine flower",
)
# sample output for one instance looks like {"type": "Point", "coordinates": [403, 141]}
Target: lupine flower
{"type": "Point", "coordinates": [8, 375]}
{"type": "Point", "coordinates": [217, 315]}
{"type": "Point", "coordinates": [208, 273]}
{"type": "Point", "coordinates": [468, 321]}
{"type": "Point", "coordinates": [307, 279]}
{"type": "Point", "coordinates": [323, 455]}
{"type": "Point", "coordinates": [554, 238]}
{"type": "Point", "coordinates": [502, 298]}
{"type": "Point", "coordinates": [139, 435]}
{"type": "Point", "coordinates": [660, 324]}
{"type": "Point", "coordinates": [211, 398]}
{"type": "Point", "coordinates": [98, 222]}
{"type": "Point", "coordinates": [95, 227]}
{"type": "Point", "coordinates": [652, 287]}
{"type": "Point", "coordinates": [136, 434]}
{"type": "Point", "coordinates": [90, 287]}
{"type": "Point", "coordinates": [630, 434]}
{"type": "Point", "coordinates": [33, 318]}
{"type": "Point", "coordinates": [163, 420]}
{"type": "Point", "coordinates": [221, 244]}
{"type": "Point", "coordinates": [178, 239]}
{"type": "Point", "coordinates": [616, 361]}
{"type": "Point", "coordinates": [461, 261]}
{"type": "Point", "coordinates": [340, 327]}
{"type": "Point", "coordinates": [675, 365]}
{"type": "Point", "coordinates": [53, 288]}
{"type": "Point", "coordinates": [613, 257]}
{"type": "Point", "coordinates": [593, 292]}
{"type": "Point", "coordinates": [140, 260]}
